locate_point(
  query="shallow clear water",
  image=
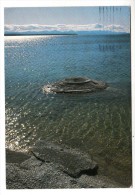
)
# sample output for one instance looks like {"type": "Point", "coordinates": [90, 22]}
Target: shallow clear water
{"type": "Point", "coordinates": [99, 123]}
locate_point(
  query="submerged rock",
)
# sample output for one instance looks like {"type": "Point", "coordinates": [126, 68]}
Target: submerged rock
{"type": "Point", "coordinates": [75, 85]}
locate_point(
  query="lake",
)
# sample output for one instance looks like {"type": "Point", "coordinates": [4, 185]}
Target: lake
{"type": "Point", "coordinates": [98, 123]}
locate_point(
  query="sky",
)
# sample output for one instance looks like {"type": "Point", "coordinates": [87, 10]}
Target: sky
{"type": "Point", "coordinates": [73, 18]}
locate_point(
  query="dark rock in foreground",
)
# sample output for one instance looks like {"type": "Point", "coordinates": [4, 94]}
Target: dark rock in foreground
{"type": "Point", "coordinates": [16, 157]}
{"type": "Point", "coordinates": [53, 166]}
{"type": "Point", "coordinates": [72, 162]}
{"type": "Point", "coordinates": [75, 85]}
{"type": "Point", "coordinates": [32, 174]}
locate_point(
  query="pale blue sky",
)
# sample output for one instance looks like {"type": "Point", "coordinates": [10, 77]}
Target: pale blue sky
{"type": "Point", "coordinates": [67, 15]}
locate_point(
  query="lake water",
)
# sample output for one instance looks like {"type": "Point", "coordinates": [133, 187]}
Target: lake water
{"type": "Point", "coordinates": [99, 124]}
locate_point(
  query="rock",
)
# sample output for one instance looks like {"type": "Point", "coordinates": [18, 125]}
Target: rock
{"type": "Point", "coordinates": [53, 166]}
{"type": "Point", "coordinates": [16, 157]}
{"type": "Point", "coordinates": [33, 174]}
{"type": "Point", "coordinates": [37, 176]}
{"type": "Point", "coordinates": [97, 181]}
{"type": "Point", "coordinates": [75, 85]}
{"type": "Point", "coordinates": [73, 162]}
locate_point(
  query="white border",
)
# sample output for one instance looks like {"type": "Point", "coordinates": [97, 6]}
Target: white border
{"type": "Point", "coordinates": [61, 3]}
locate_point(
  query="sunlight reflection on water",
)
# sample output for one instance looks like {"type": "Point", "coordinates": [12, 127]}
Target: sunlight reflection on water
{"type": "Point", "coordinates": [99, 124]}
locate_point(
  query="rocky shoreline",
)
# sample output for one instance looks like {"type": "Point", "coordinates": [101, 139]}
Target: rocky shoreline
{"type": "Point", "coordinates": [53, 166]}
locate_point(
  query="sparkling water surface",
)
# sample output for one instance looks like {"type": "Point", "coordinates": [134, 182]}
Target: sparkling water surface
{"type": "Point", "coordinates": [98, 123]}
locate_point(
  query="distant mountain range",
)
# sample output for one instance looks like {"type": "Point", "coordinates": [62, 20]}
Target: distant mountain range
{"type": "Point", "coordinates": [62, 29]}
